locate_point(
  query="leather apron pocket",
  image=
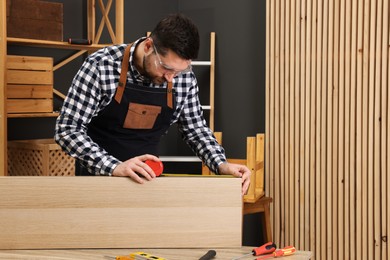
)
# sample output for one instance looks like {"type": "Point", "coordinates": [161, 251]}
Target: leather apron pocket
{"type": "Point", "coordinates": [140, 116]}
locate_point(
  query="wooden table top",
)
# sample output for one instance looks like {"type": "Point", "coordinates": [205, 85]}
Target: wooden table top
{"type": "Point", "coordinates": [169, 254]}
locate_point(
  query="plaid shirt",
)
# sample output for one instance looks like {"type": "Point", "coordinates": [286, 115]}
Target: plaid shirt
{"type": "Point", "coordinates": [94, 87]}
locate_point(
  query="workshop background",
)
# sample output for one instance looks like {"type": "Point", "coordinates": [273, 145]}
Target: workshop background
{"type": "Point", "coordinates": [239, 71]}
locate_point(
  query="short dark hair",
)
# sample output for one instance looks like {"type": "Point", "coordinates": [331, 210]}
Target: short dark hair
{"type": "Point", "coordinates": [179, 34]}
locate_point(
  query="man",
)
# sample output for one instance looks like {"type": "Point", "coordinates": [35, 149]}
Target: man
{"type": "Point", "coordinates": [125, 97]}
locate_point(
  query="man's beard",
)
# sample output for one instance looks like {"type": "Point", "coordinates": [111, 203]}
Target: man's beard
{"type": "Point", "coordinates": [155, 79]}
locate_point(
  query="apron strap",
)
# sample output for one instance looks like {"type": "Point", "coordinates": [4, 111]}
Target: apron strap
{"type": "Point", "coordinates": [123, 80]}
{"type": "Point", "coordinates": [123, 77]}
{"type": "Point", "coordinates": [169, 95]}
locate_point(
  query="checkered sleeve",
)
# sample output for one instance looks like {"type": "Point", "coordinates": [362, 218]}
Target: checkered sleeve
{"type": "Point", "coordinates": [196, 133]}
{"type": "Point", "coordinates": [89, 93]}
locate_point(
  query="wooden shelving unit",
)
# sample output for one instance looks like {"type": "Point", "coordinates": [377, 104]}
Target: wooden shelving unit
{"type": "Point", "coordinates": [94, 33]}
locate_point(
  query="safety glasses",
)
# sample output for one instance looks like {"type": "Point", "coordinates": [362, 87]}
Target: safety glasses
{"type": "Point", "coordinates": [169, 70]}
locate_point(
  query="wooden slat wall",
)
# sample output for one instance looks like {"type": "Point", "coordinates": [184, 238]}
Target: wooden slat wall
{"type": "Point", "coordinates": [3, 112]}
{"type": "Point", "coordinates": [328, 126]}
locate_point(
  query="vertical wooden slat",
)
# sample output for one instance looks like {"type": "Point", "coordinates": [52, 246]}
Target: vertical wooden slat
{"type": "Point", "coordinates": [271, 117]}
{"type": "Point", "coordinates": [352, 133]}
{"type": "Point", "coordinates": [318, 151]}
{"type": "Point", "coordinates": [3, 95]}
{"type": "Point", "coordinates": [301, 143]}
{"type": "Point", "coordinates": [365, 132]}
{"type": "Point", "coordinates": [313, 126]}
{"type": "Point", "coordinates": [91, 18]}
{"type": "Point", "coordinates": [333, 90]}
{"type": "Point", "coordinates": [346, 11]}
{"type": "Point", "coordinates": [277, 122]}
{"type": "Point", "coordinates": [329, 132]}
{"type": "Point", "coordinates": [282, 123]}
{"type": "Point", "coordinates": [292, 122]}
{"type": "Point", "coordinates": [287, 112]}
{"type": "Point", "coordinates": [267, 103]}
{"type": "Point", "coordinates": [324, 179]}
{"type": "Point", "coordinates": [296, 124]}
{"type": "Point", "coordinates": [371, 129]}
{"type": "Point", "coordinates": [119, 21]}
{"type": "Point", "coordinates": [212, 80]}
{"type": "Point", "coordinates": [339, 141]}
{"type": "Point", "coordinates": [384, 131]}
{"type": "Point", "coordinates": [306, 137]}
{"type": "Point", "coordinates": [376, 133]}
{"type": "Point", "coordinates": [359, 135]}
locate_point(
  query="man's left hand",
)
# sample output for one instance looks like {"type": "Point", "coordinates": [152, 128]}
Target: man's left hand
{"type": "Point", "coordinates": [239, 171]}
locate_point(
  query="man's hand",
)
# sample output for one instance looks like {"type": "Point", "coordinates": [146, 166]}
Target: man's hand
{"type": "Point", "coordinates": [239, 171]}
{"type": "Point", "coordinates": [135, 168]}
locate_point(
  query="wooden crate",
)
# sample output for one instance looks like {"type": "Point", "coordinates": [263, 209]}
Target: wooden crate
{"type": "Point", "coordinates": [29, 84]}
{"type": "Point", "coordinates": [34, 19]}
{"type": "Point", "coordinates": [40, 157]}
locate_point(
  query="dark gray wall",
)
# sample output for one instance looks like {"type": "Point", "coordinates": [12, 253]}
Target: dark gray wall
{"type": "Point", "coordinates": [240, 70]}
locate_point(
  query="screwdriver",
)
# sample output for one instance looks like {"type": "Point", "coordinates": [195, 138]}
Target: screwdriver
{"type": "Point", "coordinates": [261, 250]}
{"type": "Point", "coordinates": [288, 250]}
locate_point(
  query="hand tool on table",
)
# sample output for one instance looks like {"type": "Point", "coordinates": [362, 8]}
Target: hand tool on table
{"type": "Point", "coordinates": [288, 250]}
{"type": "Point", "coordinates": [261, 250]}
{"type": "Point", "coordinates": [209, 255]}
{"type": "Point", "coordinates": [136, 256]}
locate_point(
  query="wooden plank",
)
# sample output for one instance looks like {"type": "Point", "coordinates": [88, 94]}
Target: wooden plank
{"type": "Point", "coordinates": [91, 18]}
{"type": "Point", "coordinates": [119, 21]}
{"type": "Point", "coordinates": [345, 242]}
{"type": "Point", "coordinates": [282, 120]}
{"type": "Point", "coordinates": [292, 114]}
{"type": "Point", "coordinates": [324, 179]}
{"type": "Point", "coordinates": [271, 114]}
{"type": "Point", "coordinates": [29, 77]}
{"type": "Point", "coordinates": [376, 122]}
{"type": "Point", "coordinates": [287, 155]}
{"type": "Point", "coordinates": [338, 127]}
{"type": "Point", "coordinates": [29, 91]}
{"type": "Point", "coordinates": [307, 174]}
{"type": "Point", "coordinates": [277, 173]}
{"type": "Point", "coordinates": [385, 187]}
{"type": "Point", "coordinates": [113, 212]}
{"type": "Point", "coordinates": [301, 124]}
{"type": "Point", "coordinates": [212, 81]}
{"type": "Point", "coordinates": [29, 105]}
{"type": "Point", "coordinates": [16, 62]}
{"type": "Point", "coordinates": [286, 86]}
{"type": "Point", "coordinates": [365, 131]}
{"type": "Point", "coordinates": [313, 126]}
{"type": "Point", "coordinates": [319, 173]}
{"type": "Point", "coordinates": [352, 133]}
{"type": "Point", "coordinates": [295, 194]}
{"type": "Point", "coordinates": [359, 140]}
{"type": "Point", "coordinates": [3, 95]}
{"type": "Point", "coordinates": [267, 99]}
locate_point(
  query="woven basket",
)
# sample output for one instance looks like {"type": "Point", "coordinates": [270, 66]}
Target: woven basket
{"type": "Point", "coordinates": [40, 157]}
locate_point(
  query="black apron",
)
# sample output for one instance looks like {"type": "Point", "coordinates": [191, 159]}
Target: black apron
{"type": "Point", "coordinates": [134, 121]}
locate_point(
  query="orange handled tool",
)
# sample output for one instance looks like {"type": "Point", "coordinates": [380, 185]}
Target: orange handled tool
{"type": "Point", "coordinates": [288, 250]}
{"type": "Point", "coordinates": [261, 250]}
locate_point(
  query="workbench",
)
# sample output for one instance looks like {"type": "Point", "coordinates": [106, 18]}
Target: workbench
{"type": "Point", "coordinates": [169, 254]}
